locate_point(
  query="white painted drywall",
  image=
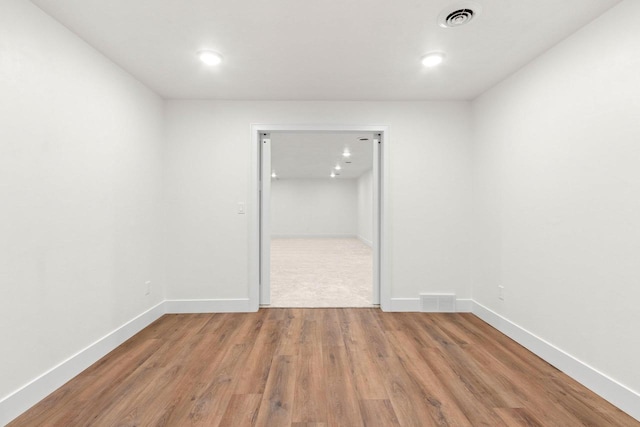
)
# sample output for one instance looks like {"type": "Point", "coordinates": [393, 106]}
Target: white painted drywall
{"type": "Point", "coordinates": [557, 173]}
{"type": "Point", "coordinates": [208, 171]}
{"type": "Point", "coordinates": [80, 176]}
{"type": "Point", "coordinates": [314, 207]}
{"type": "Point", "coordinates": [365, 207]}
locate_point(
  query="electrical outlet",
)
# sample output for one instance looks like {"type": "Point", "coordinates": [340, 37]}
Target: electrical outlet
{"type": "Point", "coordinates": [148, 283]}
{"type": "Point", "coordinates": [501, 293]}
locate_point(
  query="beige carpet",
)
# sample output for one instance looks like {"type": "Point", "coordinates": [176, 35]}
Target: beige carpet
{"type": "Point", "coordinates": [323, 272]}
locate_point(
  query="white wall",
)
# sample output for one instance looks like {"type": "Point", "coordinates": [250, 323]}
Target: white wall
{"type": "Point", "coordinates": [208, 170]}
{"type": "Point", "coordinates": [365, 207]}
{"type": "Point", "coordinates": [557, 168]}
{"type": "Point", "coordinates": [79, 187]}
{"type": "Point", "coordinates": [314, 207]}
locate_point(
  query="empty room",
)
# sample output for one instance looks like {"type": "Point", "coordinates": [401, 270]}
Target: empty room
{"type": "Point", "coordinates": [157, 208]}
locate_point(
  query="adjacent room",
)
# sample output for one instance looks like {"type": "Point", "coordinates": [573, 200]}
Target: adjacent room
{"type": "Point", "coordinates": [321, 220]}
{"type": "Point", "coordinates": [498, 284]}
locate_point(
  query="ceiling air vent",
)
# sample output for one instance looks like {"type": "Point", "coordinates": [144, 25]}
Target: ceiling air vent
{"type": "Point", "coordinates": [459, 15]}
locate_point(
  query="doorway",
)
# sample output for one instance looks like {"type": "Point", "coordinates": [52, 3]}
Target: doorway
{"type": "Point", "coordinates": [321, 219]}
{"type": "Point", "coordinates": [262, 222]}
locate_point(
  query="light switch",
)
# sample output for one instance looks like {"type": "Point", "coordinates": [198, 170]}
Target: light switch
{"type": "Point", "coordinates": [241, 209]}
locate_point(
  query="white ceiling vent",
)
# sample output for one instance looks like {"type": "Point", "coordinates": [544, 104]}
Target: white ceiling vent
{"type": "Point", "coordinates": [459, 14]}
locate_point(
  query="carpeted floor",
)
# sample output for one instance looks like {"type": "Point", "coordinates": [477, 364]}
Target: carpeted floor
{"type": "Point", "coordinates": [320, 272]}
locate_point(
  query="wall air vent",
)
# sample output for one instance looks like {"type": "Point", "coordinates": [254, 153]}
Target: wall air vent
{"type": "Point", "coordinates": [437, 303]}
{"type": "Point", "coordinates": [459, 14]}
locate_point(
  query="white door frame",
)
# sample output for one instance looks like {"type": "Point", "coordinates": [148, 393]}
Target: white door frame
{"type": "Point", "coordinates": [265, 218]}
{"type": "Point", "coordinates": [381, 285]}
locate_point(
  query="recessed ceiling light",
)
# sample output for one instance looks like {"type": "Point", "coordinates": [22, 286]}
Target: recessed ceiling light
{"type": "Point", "coordinates": [338, 167]}
{"type": "Point", "coordinates": [273, 175]}
{"type": "Point", "coordinates": [210, 57]}
{"type": "Point", "coordinates": [432, 59]}
{"type": "Point", "coordinates": [346, 153]}
{"type": "Point", "coordinates": [333, 175]}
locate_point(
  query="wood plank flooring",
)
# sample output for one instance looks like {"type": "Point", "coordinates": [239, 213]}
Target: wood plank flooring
{"type": "Point", "coordinates": [322, 367]}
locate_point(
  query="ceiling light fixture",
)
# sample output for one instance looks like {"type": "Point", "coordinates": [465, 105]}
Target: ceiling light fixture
{"type": "Point", "coordinates": [273, 175]}
{"type": "Point", "coordinates": [346, 153]}
{"type": "Point", "coordinates": [338, 167]}
{"type": "Point", "coordinates": [210, 57]}
{"type": "Point", "coordinates": [432, 59]}
{"type": "Point", "coordinates": [333, 175]}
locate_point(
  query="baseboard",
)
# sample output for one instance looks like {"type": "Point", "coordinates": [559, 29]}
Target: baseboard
{"type": "Point", "coordinates": [313, 236]}
{"type": "Point", "coordinates": [464, 305]}
{"type": "Point", "coordinates": [25, 397]}
{"type": "Point", "coordinates": [607, 388]}
{"type": "Point", "coordinates": [405, 304]}
{"type": "Point", "coordinates": [365, 241]}
{"type": "Point", "coordinates": [413, 305]}
{"type": "Point", "coordinates": [240, 305]}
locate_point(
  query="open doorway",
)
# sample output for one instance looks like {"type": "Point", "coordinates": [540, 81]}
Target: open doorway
{"type": "Point", "coordinates": [261, 221]}
{"type": "Point", "coordinates": [321, 219]}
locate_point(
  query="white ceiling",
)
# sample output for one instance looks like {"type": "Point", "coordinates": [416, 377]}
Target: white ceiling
{"type": "Point", "coordinates": [314, 155]}
{"type": "Point", "coordinates": [320, 49]}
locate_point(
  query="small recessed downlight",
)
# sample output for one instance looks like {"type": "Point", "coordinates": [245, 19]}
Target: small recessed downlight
{"type": "Point", "coordinates": [432, 59]}
{"type": "Point", "coordinates": [333, 175]}
{"type": "Point", "coordinates": [346, 153]}
{"type": "Point", "coordinates": [273, 175]}
{"type": "Point", "coordinates": [338, 167]}
{"type": "Point", "coordinates": [210, 57]}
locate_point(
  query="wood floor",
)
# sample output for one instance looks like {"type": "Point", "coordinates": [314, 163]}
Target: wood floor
{"type": "Point", "coordinates": [322, 367]}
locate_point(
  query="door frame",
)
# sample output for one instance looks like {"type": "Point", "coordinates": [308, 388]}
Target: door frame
{"type": "Point", "coordinates": [381, 205]}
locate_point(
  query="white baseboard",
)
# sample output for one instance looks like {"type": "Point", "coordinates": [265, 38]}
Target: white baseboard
{"type": "Point", "coordinates": [25, 397]}
{"type": "Point", "coordinates": [464, 305]}
{"type": "Point", "coordinates": [240, 305]}
{"type": "Point", "coordinates": [365, 241]}
{"type": "Point", "coordinates": [413, 305]}
{"type": "Point", "coordinates": [607, 388]}
{"type": "Point", "coordinates": [313, 236]}
{"type": "Point", "coordinates": [405, 304]}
